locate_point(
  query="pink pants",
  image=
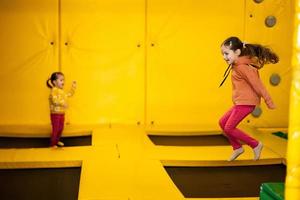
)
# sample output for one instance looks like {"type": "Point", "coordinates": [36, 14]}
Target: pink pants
{"type": "Point", "coordinates": [229, 122]}
{"type": "Point", "coordinates": [57, 121]}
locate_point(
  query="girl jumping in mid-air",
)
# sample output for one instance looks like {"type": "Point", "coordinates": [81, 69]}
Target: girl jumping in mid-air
{"type": "Point", "coordinates": [58, 105]}
{"type": "Point", "coordinates": [247, 89]}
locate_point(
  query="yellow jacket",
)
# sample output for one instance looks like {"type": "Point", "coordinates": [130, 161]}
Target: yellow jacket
{"type": "Point", "coordinates": [58, 100]}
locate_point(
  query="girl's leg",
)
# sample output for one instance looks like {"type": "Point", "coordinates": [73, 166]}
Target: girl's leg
{"type": "Point", "coordinates": [222, 122]}
{"type": "Point", "coordinates": [239, 112]}
{"type": "Point", "coordinates": [224, 118]}
{"type": "Point", "coordinates": [60, 126]}
{"type": "Point", "coordinates": [55, 129]}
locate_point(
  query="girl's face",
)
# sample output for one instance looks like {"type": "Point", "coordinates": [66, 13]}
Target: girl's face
{"type": "Point", "coordinates": [230, 56]}
{"type": "Point", "coordinates": [59, 82]}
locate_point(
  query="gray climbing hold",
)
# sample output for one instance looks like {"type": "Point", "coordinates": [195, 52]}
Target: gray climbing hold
{"type": "Point", "coordinates": [258, 1]}
{"type": "Point", "coordinates": [256, 112]}
{"type": "Point", "coordinates": [275, 79]}
{"type": "Point", "coordinates": [270, 21]}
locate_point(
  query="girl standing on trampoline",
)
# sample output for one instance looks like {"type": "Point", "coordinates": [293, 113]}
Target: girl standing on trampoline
{"type": "Point", "coordinates": [247, 89]}
{"type": "Point", "coordinates": [58, 105]}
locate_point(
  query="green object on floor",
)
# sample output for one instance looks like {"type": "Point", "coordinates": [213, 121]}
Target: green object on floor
{"type": "Point", "coordinates": [272, 191]}
{"type": "Point", "coordinates": [281, 134]}
{"type": "Point", "coordinates": [265, 196]}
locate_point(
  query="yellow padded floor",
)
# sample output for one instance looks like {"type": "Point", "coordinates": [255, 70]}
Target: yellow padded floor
{"type": "Point", "coordinates": [124, 164]}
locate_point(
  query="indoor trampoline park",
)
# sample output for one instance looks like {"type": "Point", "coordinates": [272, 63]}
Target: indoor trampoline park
{"type": "Point", "coordinates": [150, 100]}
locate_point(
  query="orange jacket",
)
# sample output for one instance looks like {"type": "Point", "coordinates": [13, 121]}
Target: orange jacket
{"type": "Point", "coordinates": [247, 87]}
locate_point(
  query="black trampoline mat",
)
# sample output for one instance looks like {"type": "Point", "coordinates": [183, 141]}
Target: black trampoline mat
{"type": "Point", "coordinates": [37, 184]}
{"type": "Point", "coordinates": [193, 140]}
{"type": "Point", "coordinates": [18, 142]}
{"type": "Point", "coordinates": [224, 182]}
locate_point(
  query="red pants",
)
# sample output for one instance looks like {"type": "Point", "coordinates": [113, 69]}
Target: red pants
{"type": "Point", "coordinates": [57, 121]}
{"type": "Point", "coordinates": [229, 122]}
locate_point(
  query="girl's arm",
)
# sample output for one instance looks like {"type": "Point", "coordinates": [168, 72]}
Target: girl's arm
{"type": "Point", "coordinates": [252, 77]}
{"type": "Point", "coordinates": [72, 90]}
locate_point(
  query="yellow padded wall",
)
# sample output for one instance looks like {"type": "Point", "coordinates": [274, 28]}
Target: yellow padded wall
{"type": "Point", "coordinates": [184, 62]}
{"type": "Point", "coordinates": [28, 27]}
{"type": "Point", "coordinates": [136, 61]}
{"type": "Point", "coordinates": [103, 49]}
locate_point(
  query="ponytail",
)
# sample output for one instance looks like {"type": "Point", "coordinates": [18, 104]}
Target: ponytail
{"type": "Point", "coordinates": [48, 84]}
{"type": "Point", "coordinates": [263, 54]}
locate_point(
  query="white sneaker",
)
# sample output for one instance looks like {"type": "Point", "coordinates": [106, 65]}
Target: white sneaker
{"type": "Point", "coordinates": [236, 153]}
{"type": "Point", "coordinates": [60, 144]}
{"type": "Point", "coordinates": [257, 150]}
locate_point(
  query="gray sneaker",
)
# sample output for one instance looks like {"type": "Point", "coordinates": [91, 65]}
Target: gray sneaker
{"type": "Point", "coordinates": [257, 151]}
{"type": "Point", "coordinates": [60, 144]}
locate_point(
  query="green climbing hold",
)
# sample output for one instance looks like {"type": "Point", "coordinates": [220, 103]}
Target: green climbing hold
{"type": "Point", "coordinates": [272, 191]}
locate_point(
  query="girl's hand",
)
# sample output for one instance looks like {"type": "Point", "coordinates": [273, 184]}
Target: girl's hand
{"type": "Point", "coordinates": [65, 106]}
{"type": "Point", "coordinates": [74, 84]}
{"type": "Point", "coordinates": [271, 106]}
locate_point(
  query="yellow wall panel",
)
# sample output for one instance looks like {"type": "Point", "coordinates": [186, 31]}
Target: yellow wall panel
{"type": "Point", "coordinates": [27, 58]}
{"type": "Point", "coordinates": [185, 66]}
{"type": "Point", "coordinates": [105, 55]}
